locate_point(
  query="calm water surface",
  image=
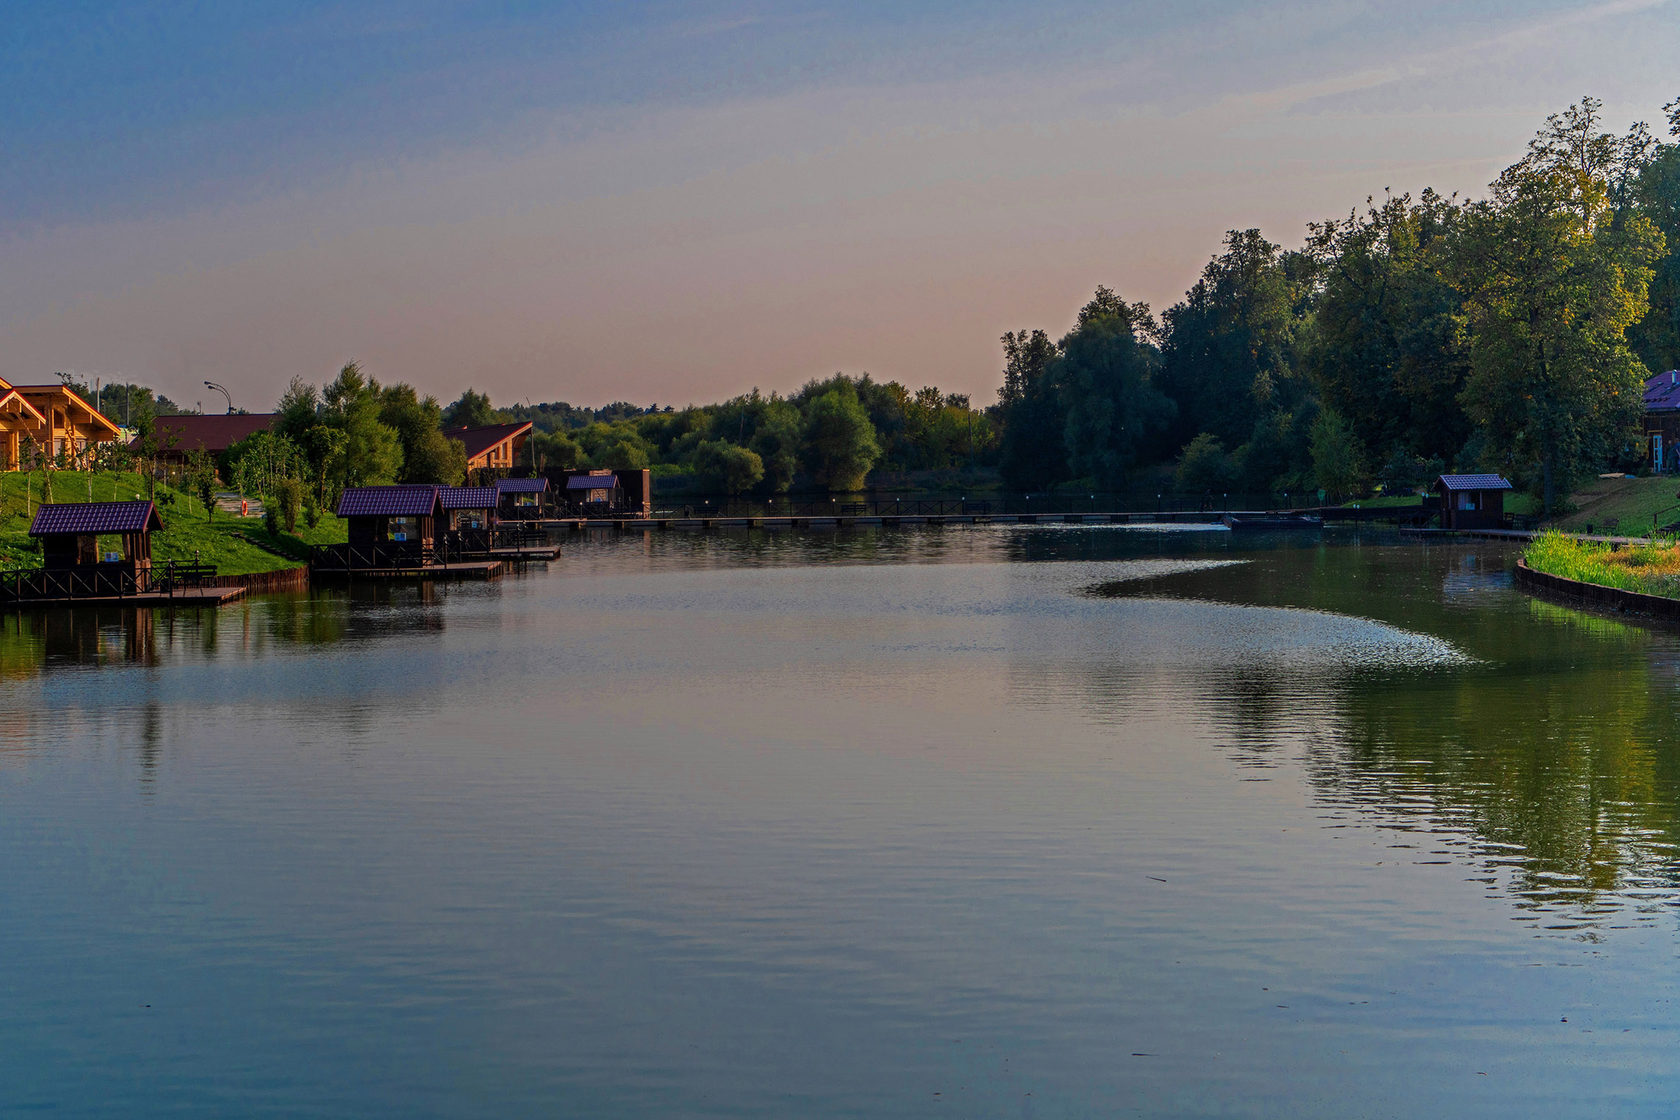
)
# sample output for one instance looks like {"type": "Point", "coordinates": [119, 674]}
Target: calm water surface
{"type": "Point", "coordinates": [1033, 822]}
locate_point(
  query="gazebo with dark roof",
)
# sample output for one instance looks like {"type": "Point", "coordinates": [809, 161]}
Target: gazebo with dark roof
{"type": "Point", "coordinates": [521, 498]}
{"type": "Point", "coordinates": [469, 507]}
{"type": "Point", "coordinates": [1471, 501]}
{"type": "Point", "coordinates": [70, 533]}
{"type": "Point", "coordinates": [404, 515]}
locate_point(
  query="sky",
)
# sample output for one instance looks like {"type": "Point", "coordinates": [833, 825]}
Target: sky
{"type": "Point", "coordinates": [675, 203]}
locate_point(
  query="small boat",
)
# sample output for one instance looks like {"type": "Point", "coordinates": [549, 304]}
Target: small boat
{"type": "Point", "coordinates": [1271, 522]}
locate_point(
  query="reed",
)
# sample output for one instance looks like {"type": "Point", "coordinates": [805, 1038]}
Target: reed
{"type": "Point", "coordinates": [1652, 568]}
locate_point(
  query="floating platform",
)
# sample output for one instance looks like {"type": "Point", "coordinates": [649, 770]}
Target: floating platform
{"type": "Point", "coordinates": [185, 597]}
{"type": "Point", "coordinates": [463, 570]}
{"type": "Point", "coordinates": [1299, 522]}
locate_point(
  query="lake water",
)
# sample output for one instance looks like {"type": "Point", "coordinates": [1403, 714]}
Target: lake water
{"type": "Point", "coordinates": [1016, 822]}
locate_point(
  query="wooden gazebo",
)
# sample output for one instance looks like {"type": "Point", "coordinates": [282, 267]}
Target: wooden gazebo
{"type": "Point", "coordinates": [69, 536]}
{"type": "Point", "coordinates": [521, 499]}
{"type": "Point", "coordinates": [391, 521]}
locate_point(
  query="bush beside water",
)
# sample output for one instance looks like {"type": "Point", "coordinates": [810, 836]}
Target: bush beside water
{"type": "Point", "coordinates": [1652, 569]}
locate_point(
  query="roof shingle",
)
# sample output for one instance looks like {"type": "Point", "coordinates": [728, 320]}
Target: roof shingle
{"type": "Point", "coordinates": [469, 497]}
{"type": "Point", "coordinates": [389, 501]}
{"type": "Point", "coordinates": [1473, 482]}
{"type": "Point", "coordinates": [522, 485]}
{"type": "Point", "coordinates": [94, 517]}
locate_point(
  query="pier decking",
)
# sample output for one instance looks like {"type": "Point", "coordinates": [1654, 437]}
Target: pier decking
{"type": "Point", "coordinates": [184, 597]}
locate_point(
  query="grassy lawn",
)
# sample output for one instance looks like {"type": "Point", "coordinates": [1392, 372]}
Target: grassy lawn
{"type": "Point", "coordinates": [1653, 568]}
{"type": "Point", "coordinates": [1623, 506]}
{"type": "Point", "coordinates": [236, 545]}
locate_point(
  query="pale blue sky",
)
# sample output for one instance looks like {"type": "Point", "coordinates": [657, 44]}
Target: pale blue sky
{"type": "Point", "coordinates": [678, 202]}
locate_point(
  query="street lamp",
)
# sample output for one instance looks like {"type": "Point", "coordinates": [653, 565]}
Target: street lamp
{"type": "Point", "coordinates": [223, 391]}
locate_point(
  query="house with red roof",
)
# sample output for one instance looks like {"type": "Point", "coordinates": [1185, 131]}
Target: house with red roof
{"type": "Point", "coordinates": [180, 436]}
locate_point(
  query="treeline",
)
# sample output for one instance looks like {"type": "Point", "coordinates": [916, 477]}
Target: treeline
{"type": "Point", "coordinates": [1508, 334]}
{"type": "Point", "coordinates": [831, 433]}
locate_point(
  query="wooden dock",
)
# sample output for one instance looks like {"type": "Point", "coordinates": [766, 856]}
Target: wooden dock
{"type": "Point", "coordinates": [461, 570]}
{"type": "Point", "coordinates": [874, 520]}
{"type": "Point", "coordinates": [183, 597]}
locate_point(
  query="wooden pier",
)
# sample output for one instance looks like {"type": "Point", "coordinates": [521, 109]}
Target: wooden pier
{"type": "Point", "coordinates": [841, 520]}
{"type": "Point", "coordinates": [183, 597]}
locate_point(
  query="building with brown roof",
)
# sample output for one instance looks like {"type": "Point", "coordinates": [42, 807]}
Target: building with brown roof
{"type": "Point", "coordinates": [495, 447]}
{"type": "Point", "coordinates": [179, 436]}
{"type": "Point", "coordinates": [19, 420]}
{"type": "Point", "coordinates": [57, 422]}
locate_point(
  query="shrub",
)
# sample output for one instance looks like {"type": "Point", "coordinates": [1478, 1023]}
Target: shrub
{"type": "Point", "coordinates": [288, 495]}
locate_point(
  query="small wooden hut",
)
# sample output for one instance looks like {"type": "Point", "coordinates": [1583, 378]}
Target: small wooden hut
{"type": "Point", "coordinates": [69, 536]}
{"type": "Point", "coordinates": [521, 499]}
{"type": "Point", "coordinates": [468, 507]}
{"type": "Point", "coordinates": [1471, 501]}
{"type": "Point", "coordinates": [407, 515]}
{"type": "Point", "coordinates": [591, 491]}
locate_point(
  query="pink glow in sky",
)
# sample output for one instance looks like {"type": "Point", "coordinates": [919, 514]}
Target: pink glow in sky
{"type": "Point", "coordinates": [676, 248]}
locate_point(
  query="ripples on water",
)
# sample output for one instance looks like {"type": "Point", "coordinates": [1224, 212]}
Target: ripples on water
{"type": "Point", "coordinates": [1053, 822]}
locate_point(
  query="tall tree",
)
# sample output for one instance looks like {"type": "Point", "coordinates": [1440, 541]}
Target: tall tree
{"type": "Point", "coordinates": [370, 452]}
{"type": "Point", "coordinates": [1113, 411]}
{"type": "Point", "coordinates": [1656, 337]}
{"type": "Point", "coordinates": [471, 409]}
{"type": "Point", "coordinates": [1551, 284]}
{"type": "Point", "coordinates": [1385, 349]}
{"type": "Point", "coordinates": [840, 444]}
{"type": "Point", "coordinates": [1033, 454]}
{"type": "Point", "coordinates": [1227, 346]}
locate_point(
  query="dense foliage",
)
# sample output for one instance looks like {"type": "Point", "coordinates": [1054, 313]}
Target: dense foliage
{"type": "Point", "coordinates": [1510, 333]}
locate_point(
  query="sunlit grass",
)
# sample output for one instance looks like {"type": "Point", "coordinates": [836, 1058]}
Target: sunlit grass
{"type": "Point", "coordinates": [1652, 568]}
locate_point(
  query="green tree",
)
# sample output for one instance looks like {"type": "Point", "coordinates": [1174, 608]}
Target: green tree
{"type": "Point", "coordinates": [1112, 410]}
{"type": "Point", "coordinates": [201, 479]}
{"type": "Point", "coordinates": [777, 442]}
{"type": "Point", "coordinates": [1386, 348]}
{"type": "Point", "coordinates": [1656, 337]}
{"type": "Point", "coordinates": [288, 497]}
{"type": "Point", "coordinates": [428, 455]}
{"type": "Point", "coordinates": [558, 449]}
{"type": "Point", "coordinates": [1204, 467]}
{"type": "Point", "coordinates": [1551, 285]}
{"type": "Point", "coordinates": [471, 410]}
{"type": "Point", "coordinates": [1338, 461]}
{"type": "Point", "coordinates": [729, 468]}
{"type": "Point", "coordinates": [839, 440]}
{"type": "Point", "coordinates": [1032, 452]}
{"type": "Point", "coordinates": [1228, 346]}
{"type": "Point", "coordinates": [371, 452]}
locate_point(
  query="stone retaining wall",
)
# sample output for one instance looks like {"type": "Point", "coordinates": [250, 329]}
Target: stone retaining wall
{"type": "Point", "coordinates": [1596, 595]}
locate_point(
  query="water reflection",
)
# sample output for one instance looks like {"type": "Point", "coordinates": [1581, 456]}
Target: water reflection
{"type": "Point", "coordinates": [1546, 768]}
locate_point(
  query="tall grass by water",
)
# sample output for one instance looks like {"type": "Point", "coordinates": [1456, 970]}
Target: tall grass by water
{"type": "Point", "coordinates": [1653, 569]}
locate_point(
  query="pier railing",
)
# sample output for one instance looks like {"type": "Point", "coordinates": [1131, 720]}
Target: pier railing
{"type": "Point", "coordinates": [384, 555]}
{"type": "Point", "coordinates": [87, 581]}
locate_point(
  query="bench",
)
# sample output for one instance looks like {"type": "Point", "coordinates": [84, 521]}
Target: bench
{"type": "Point", "coordinates": [177, 575]}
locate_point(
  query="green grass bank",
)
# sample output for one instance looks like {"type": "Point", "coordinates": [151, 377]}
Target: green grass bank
{"type": "Point", "coordinates": [236, 545]}
{"type": "Point", "coordinates": [1652, 569]}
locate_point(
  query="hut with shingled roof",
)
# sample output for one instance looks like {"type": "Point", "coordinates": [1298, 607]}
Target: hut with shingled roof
{"type": "Point", "coordinates": [1471, 501]}
{"type": "Point", "coordinates": [521, 499]}
{"type": "Point", "coordinates": [69, 535]}
{"type": "Point", "coordinates": [380, 517]}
